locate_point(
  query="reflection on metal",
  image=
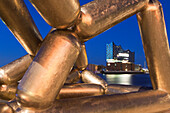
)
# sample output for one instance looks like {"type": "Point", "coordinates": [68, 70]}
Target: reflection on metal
{"type": "Point", "coordinates": [156, 46]}
{"type": "Point", "coordinates": [5, 108]}
{"type": "Point", "coordinates": [16, 16]}
{"type": "Point", "coordinates": [7, 92]}
{"type": "Point", "coordinates": [73, 77]}
{"type": "Point", "coordinates": [58, 13]}
{"type": "Point", "coordinates": [60, 50]}
{"type": "Point", "coordinates": [14, 71]}
{"type": "Point", "coordinates": [100, 15]}
{"type": "Point", "coordinates": [119, 89]}
{"type": "Point", "coordinates": [90, 77]}
{"type": "Point", "coordinates": [82, 60]}
{"type": "Point", "coordinates": [80, 90]}
{"type": "Point", "coordinates": [48, 70]}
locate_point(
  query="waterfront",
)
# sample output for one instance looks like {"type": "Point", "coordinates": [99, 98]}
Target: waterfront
{"type": "Point", "coordinates": [127, 79]}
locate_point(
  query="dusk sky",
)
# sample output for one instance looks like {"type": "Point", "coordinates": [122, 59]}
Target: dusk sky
{"type": "Point", "coordinates": [125, 34]}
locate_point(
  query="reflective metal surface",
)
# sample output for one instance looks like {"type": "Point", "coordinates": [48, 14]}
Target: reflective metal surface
{"type": "Point", "coordinates": [14, 71]}
{"type": "Point", "coordinates": [58, 13]}
{"type": "Point", "coordinates": [90, 77]}
{"type": "Point", "coordinates": [4, 108]}
{"type": "Point", "coordinates": [80, 90]}
{"type": "Point", "coordinates": [73, 77]}
{"type": "Point", "coordinates": [82, 60]}
{"type": "Point", "coordinates": [48, 70]}
{"type": "Point", "coordinates": [156, 46]}
{"type": "Point", "coordinates": [148, 102]}
{"type": "Point", "coordinates": [120, 89]}
{"type": "Point", "coordinates": [7, 92]}
{"type": "Point", "coordinates": [100, 15]}
{"type": "Point", "coordinates": [16, 16]}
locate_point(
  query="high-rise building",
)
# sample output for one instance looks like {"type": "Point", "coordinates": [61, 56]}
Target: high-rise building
{"type": "Point", "coordinates": [109, 51]}
{"type": "Point", "coordinates": [119, 59]}
{"type": "Point", "coordinates": [117, 53]}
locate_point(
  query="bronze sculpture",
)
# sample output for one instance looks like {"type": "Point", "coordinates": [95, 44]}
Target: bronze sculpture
{"type": "Point", "coordinates": [64, 46]}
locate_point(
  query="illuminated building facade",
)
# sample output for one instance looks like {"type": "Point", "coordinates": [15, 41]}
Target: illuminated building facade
{"type": "Point", "coordinates": [118, 59]}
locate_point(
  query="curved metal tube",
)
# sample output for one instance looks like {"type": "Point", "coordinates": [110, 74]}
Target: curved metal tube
{"type": "Point", "coordinates": [5, 108]}
{"type": "Point", "coordinates": [16, 16]}
{"type": "Point", "coordinates": [155, 43]}
{"type": "Point", "coordinates": [82, 60]}
{"type": "Point", "coordinates": [80, 90]}
{"type": "Point", "coordinates": [15, 70]}
{"type": "Point", "coordinates": [100, 15]}
{"type": "Point", "coordinates": [48, 70]}
{"type": "Point", "coordinates": [148, 101]}
{"type": "Point", "coordinates": [90, 77]}
{"type": "Point", "coordinates": [73, 77]}
{"type": "Point", "coordinates": [120, 89]}
{"type": "Point", "coordinates": [7, 92]}
{"type": "Point", "coordinates": [58, 13]}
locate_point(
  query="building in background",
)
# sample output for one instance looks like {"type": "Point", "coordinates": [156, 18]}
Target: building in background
{"type": "Point", "coordinates": [119, 59]}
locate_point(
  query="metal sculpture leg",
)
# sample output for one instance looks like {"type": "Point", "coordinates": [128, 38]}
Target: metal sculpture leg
{"type": "Point", "coordinates": [100, 15]}
{"type": "Point", "coordinates": [90, 77]}
{"type": "Point", "coordinates": [58, 14]}
{"type": "Point", "coordinates": [156, 46]}
{"type": "Point", "coordinates": [14, 71]}
{"type": "Point", "coordinates": [49, 70]}
{"type": "Point", "coordinates": [18, 19]}
{"type": "Point", "coordinates": [82, 60]}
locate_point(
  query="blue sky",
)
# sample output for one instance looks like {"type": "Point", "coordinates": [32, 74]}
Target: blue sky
{"type": "Point", "coordinates": [125, 33]}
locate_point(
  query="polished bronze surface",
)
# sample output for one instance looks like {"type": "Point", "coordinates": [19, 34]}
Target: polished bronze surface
{"type": "Point", "coordinates": [100, 15]}
{"type": "Point", "coordinates": [7, 92]}
{"type": "Point", "coordinates": [156, 46]}
{"type": "Point", "coordinates": [48, 70]}
{"type": "Point", "coordinates": [73, 77]}
{"type": "Point", "coordinates": [58, 13]}
{"type": "Point", "coordinates": [14, 71]}
{"type": "Point", "coordinates": [90, 77]}
{"type": "Point", "coordinates": [120, 89]}
{"type": "Point", "coordinates": [16, 16]}
{"type": "Point", "coordinates": [4, 108]}
{"type": "Point", "coordinates": [80, 90]}
{"type": "Point", "coordinates": [141, 102]}
{"type": "Point", "coordinates": [69, 90]}
{"type": "Point", "coordinates": [82, 60]}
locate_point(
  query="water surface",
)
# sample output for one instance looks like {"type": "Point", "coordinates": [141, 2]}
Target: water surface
{"type": "Point", "coordinates": [127, 79]}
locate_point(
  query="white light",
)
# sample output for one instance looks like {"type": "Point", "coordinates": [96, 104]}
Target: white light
{"type": "Point", "coordinates": [123, 55]}
{"type": "Point", "coordinates": [113, 61]}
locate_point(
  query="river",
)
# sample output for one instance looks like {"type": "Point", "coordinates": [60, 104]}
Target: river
{"type": "Point", "coordinates": [127, 79]}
